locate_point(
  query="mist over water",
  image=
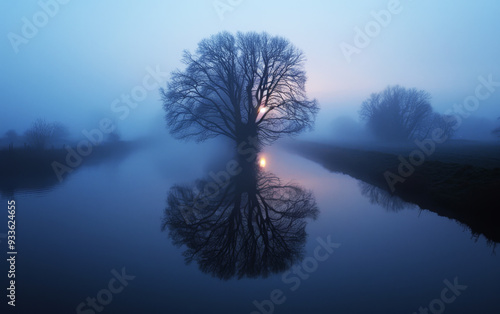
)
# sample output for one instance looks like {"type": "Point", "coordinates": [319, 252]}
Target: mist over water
{"type": "Point", "coordinates": [250, 157]}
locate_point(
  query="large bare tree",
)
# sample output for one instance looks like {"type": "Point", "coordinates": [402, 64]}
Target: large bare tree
{"type": "Point", "coordinates": [239, 86]}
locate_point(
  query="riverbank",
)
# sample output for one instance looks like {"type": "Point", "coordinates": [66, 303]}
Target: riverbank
{"type": "Point", "coordinates": [29, 169]}
{"type": "Point", "coordinates": [462, 187]}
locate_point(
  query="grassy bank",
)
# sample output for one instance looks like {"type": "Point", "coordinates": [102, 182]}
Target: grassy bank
{"type": "Point", "coordinates": [26, 169]}
{"type": "Point", "coordinates": [458, 184]}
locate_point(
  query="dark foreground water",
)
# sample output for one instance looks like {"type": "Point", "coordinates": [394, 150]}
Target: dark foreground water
{"type": "Point", "coordinates": [94, 244]}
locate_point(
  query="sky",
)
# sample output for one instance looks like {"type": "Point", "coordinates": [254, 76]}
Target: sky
{"type": "Point", "coordinates": [74, 61]}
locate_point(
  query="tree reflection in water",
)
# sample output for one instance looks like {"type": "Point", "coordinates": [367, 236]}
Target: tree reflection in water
{"type": "Point", "coordinates": [384, 198]}
{"type": "Point", "coordinates": [253, 225]}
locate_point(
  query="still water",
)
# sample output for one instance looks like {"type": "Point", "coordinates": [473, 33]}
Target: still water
{"type": "Point", "coordinates": [100, 231]}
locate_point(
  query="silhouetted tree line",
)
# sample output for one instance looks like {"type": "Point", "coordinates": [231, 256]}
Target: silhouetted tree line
{"type": "Point", "coordinates": [39, 135]}
{"type": "Point", "coordinates": [43, 134]}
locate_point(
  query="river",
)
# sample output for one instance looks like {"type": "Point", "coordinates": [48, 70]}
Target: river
{"type": "Point", "coordinates": [98, 235]}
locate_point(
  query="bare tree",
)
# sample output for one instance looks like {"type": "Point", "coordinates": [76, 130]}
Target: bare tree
{"type": "Point", "coordinates": [440, 123]}
{"type": "Point", "coordinates": [238, 86]}
{"type": "Point", "coordinates": [400, 114]}
{"type": "Point", "coordinates": [38, 135]}
{"type": "Point", "coordinates": [42, 133]}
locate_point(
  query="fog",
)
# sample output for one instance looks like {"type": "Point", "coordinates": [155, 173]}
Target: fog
{"type": "Point", "coordinates": [224, 151]}
{"type": "Point", "coordinates": [350, 130]}
{"type": "Point", "coordinates": [90, 54]}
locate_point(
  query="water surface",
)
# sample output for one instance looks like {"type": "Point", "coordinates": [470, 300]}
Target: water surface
{"type": "Point", "coordinates": [391, 257]}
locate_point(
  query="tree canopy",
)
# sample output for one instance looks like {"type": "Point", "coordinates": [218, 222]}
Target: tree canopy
{"type": "Point", "coordinates": [238, 86]}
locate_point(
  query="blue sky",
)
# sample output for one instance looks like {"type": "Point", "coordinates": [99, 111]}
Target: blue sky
{"type": "Point", "coordinates": [89, 53]}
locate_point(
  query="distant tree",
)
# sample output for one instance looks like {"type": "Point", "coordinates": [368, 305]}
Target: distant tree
{"type": "Point", "coordinates": [400, 114]}
{"type": "Point", "coordinates": [440, 122]}
{"type": "Point", "coordinates": [38, 135]}
{"type": "Point", "coordinates": [239, 86]}
{"type": "Point", "coordinates": [42, 133]}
